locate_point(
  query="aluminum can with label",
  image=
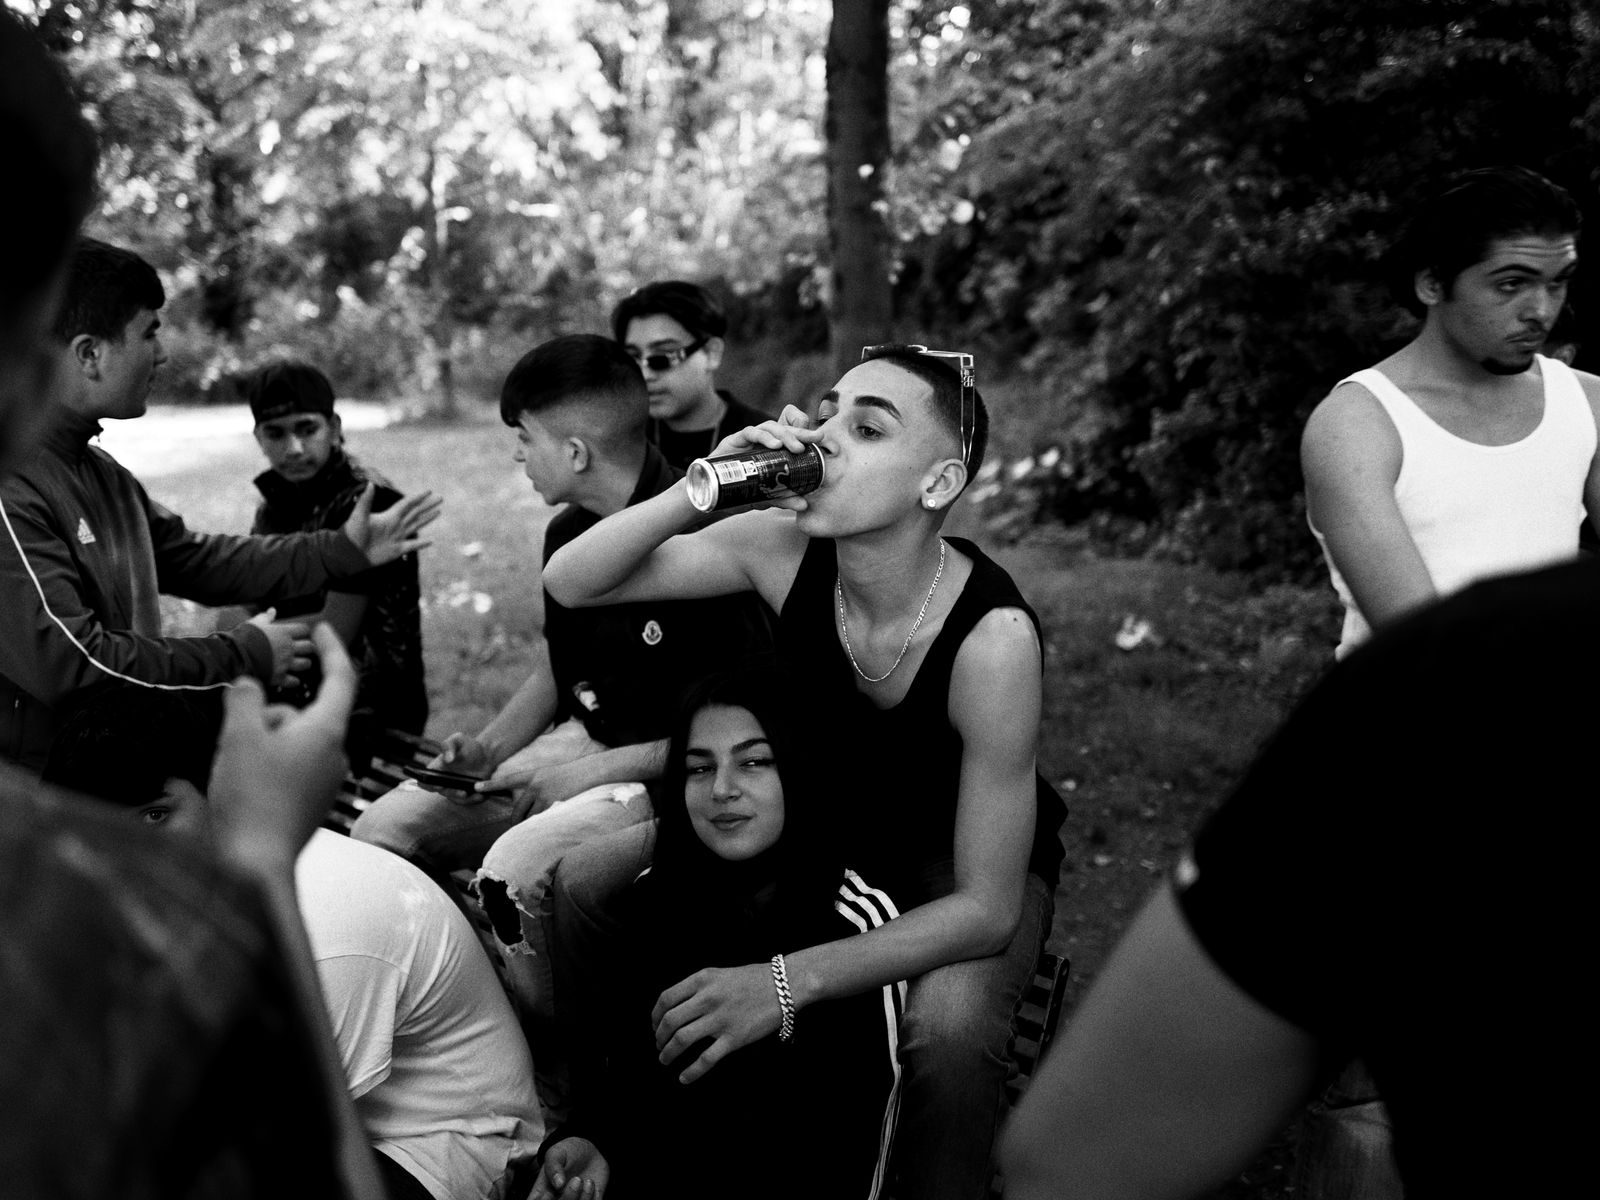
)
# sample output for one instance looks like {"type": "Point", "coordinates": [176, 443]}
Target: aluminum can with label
{"type": "Point", "coordinates": [735, 479]}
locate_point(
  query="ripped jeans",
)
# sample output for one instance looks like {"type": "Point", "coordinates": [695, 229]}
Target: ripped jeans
{"type": "Point", "coordinates": [514, 859]}
{"type": "Point", "coordinates": [516, 874]}
{"type": "Point", "coordinates": [442, 835]}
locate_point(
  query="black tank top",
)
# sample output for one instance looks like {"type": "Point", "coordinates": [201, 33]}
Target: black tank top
{"type": "Point", "coordinates": [893, 787]}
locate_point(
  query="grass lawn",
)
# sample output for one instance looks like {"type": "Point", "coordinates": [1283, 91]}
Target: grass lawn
{"type": "Point", "coordinates": [1142, 741]}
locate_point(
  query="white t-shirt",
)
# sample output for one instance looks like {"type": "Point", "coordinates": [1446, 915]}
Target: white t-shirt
{"type": "Point", "coordinates": [436, 1061]}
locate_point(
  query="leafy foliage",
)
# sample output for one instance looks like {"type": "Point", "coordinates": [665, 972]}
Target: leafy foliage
{"type": "Point", "coordinates": [1180, 236]}
{"type": "Point", "coordinates": [454, 164]}
{"type": "Point", "coordinates": [1161, 218]}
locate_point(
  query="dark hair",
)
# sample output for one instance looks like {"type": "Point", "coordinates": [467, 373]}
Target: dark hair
{"type": "Point", "coordinates": [106, 287]}
{"type": "Point", "coordinates": [122, 742]}
{"type": "Point", "coordinates": [581, 368]}
{"type": "Point", "coordinates": [288, 386]}
{"type": "Point", "coordinates": [945, 381]}
{"type": "Point", "coordinates": [803, 862]}
{"type": "Point", "coordinates": [50, 154]}
{"type": "Point", "coordinates": [689, 304]}
{"type": "Point", "coordinates": [1451, 228]}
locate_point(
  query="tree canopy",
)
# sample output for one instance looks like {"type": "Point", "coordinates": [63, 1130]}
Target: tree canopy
{"type": "Point", "coordinates": [433, 164]}
{"type": "Point", "coordinates": [1161, 218]}
{"type": "Point", "coordinates": [1183, 204]}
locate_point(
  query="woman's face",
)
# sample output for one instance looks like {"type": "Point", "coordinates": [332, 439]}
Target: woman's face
{"type": "Point", "coordinates": [733, 793]}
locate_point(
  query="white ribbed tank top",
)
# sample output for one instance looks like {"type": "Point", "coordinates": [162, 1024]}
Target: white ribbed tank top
{"type": "Point", "coordinates": [1477, 511]}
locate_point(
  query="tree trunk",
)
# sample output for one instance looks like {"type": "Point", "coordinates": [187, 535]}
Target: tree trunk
{"type": "Point", "coordinates": [438, 322]}
{"type": "Point", "coordinates": [225, 295]}
{"type": "Point", "coordinates": [221, 228]}
{"type": "Point", "coordinates": [686, 30]}
{"type": "Point", "coordinates": [861, 306]}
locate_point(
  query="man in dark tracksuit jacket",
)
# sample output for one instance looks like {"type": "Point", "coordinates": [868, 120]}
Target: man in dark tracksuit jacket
{"type": "Point", "coordinates": [85, 552]}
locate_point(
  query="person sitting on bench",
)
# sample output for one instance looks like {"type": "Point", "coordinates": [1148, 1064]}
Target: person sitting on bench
{"type": "Point", "coordinates": [570, 755]}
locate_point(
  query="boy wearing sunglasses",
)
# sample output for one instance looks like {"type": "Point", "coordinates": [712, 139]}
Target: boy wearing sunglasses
{"type": "Point", "coordinates": [918, 662]}
{"type": "Point", "coordinates": [674, 331]}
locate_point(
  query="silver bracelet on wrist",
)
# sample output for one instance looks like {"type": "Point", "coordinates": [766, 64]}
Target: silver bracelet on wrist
{"type": "Point", "coordinates": [780, 981]}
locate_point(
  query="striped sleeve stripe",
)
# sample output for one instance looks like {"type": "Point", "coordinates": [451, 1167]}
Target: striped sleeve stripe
{"type": "Point", "coordinates": [79, 646]}
{"type": "Point", "coordinates": [866, 908]}
{"type": "Point", "coordinates": [872, 902]}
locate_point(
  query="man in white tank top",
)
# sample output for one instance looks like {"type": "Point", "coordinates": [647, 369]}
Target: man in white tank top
{"type": "Point", "coordinates": [1466, 453]}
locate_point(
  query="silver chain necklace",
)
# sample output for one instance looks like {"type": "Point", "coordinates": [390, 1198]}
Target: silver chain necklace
{"type": "Point", "coordinates": [844, 625]}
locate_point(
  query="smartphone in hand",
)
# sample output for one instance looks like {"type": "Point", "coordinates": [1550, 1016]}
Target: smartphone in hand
{"type": "Point", "coordinates": [450, 780]}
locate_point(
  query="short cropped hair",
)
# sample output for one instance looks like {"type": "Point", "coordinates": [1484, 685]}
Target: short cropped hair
{"type": "Point", "coordinates": [581, 369]}
{"type": "Point", "coordinates": [1453, 226]}
{"type": "Point", "coordinates": [49, 152]}
{"type": "Point", "coordinates": [106, 288]}
{"type": "Point", "coordinates": [287, 386]}
{"type": "Point", "coordinates": [122, 742]}
{"type": "Point", "coordinates": [689, 304]}
{"type": "Point", "coordinates": [945, 381]}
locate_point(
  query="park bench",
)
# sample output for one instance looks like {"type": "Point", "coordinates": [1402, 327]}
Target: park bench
{"type": "Point", "coordinates": [1038, 1011]}
{"type": "Point", "coordinates": [392, 750]}
{"type": "Point", "coordinates": [1033, 1028]}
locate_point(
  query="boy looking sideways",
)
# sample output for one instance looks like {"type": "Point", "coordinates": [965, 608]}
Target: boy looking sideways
{"type": "Point", "coordinates": [313, 483]}
{"type": "Point", "coordinates": [1466, 453]}
{"type": "Point", "coordinates": [569, 755]}
{"type": "Point", "coordinates": [674, 331]}
{"type": "Point", "coordinates": [85, 553]}
{"type": "Point", "coordinates": [920, 663]}
{"type": "Point", "coordinates": [1463, 455]}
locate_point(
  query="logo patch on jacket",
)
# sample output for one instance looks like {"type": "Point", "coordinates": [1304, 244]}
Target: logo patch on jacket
{"type": "Point", "coordinates": [85, 534]}
{"type": "Point", "coordinates": [652, 633]}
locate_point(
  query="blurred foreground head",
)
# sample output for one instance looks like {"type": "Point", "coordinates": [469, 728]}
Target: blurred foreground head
{"type": "Point", "coordinates": [48, 155]}
{"type": "Point", "coordinates": [146, 752]}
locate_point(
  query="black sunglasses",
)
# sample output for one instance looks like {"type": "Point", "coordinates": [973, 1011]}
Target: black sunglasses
{"type": "Point", "coordinates": [965, 367]}
{"type": "Point", "coordinates": [665, 360]}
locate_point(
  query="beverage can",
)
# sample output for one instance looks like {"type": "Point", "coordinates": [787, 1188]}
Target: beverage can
{"type": "Point", "coordinates": [735, 479]}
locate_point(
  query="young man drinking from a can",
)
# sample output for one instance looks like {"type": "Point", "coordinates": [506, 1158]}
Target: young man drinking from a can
{"type": "Point", "coordinates": [919, 662]}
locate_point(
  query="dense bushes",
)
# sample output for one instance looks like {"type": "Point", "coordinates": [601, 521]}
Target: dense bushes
{"type": "Point", "coordinates": [367, 350]}
{"type": "Point", "coordinates": [1160, 218]}
{"type": "Point", "coordinates": [1181, 234]}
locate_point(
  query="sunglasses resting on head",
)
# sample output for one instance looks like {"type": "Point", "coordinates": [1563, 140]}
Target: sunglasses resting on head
{"type": "Point", "coordinates": [964, 365]}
